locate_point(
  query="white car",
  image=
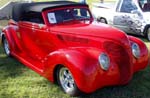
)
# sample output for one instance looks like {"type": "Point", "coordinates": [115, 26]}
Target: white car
{"type": "Point", "coordinates": [131, 16]}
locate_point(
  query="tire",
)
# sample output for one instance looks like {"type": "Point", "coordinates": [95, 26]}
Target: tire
{"type": "Point", "coordinates": [66, 81]}
{"type": "Point", "coordinates": [148, 33]}
{"type": "Point", "coordinates": [6, 46]}
{"type": "Point", "coordinates": [102, 20]}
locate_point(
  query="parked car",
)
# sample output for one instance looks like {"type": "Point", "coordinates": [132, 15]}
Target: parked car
{"type": "Point", "coordinates": [131, 16]}
{"type": "Point", "coordinates": [60, 41]}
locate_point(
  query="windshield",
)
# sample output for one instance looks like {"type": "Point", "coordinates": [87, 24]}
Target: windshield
{"type": "Point", "coordinates": [145, 5]}
{"type": "Point", "coordinates": [65, 15]}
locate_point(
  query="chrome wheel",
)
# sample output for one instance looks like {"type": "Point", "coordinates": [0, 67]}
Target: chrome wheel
{"type": "Point", "coordinates": [148, 34]}
{"type": "Point", "coordinates": [66, 80]}
{"type": "Point", "coordinates": [6, 47]}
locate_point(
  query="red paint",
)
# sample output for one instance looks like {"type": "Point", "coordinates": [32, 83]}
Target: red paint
{"type": "Point", "coordinates": [77, 46]}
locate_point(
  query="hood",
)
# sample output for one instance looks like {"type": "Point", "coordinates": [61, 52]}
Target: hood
{"type": "Point", "coordinates": [146, 16]}
{"type": "Point", "coordinates": [88, 30]}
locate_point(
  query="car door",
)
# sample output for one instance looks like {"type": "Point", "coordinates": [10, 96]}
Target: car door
{"type": "Point", "coordinates": [33, 33]}
{"type": "Point", "coordinates": [127, 17]}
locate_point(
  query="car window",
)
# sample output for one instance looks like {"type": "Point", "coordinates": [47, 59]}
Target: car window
{"type": "Point", "coordinates": [59, 16]}
{"type": "Point", "coordinates": [35, 17]}
{"type": "Point", "coordinates": [81, 13]}
{"type": "Point", "coordinates": [65, 15]}
{"type": "Point", "coordinates": [145, 5]}
{"type": "Point", "coordinates": [128, 6]}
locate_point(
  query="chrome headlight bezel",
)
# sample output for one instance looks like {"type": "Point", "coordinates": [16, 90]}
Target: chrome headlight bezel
{"type": "Point", "coordinates": [136, 50]}
{"type": "Point", "coordinates": [104, 61]}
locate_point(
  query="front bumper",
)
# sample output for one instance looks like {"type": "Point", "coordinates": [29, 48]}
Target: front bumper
{"type": "Point", "coordinates": [114, 76]}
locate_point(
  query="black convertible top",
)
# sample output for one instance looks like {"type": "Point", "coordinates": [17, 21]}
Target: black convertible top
{"type": "Point", "coordinates": [20, 8]}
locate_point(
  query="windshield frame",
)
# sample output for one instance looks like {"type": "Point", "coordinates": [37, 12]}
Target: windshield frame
{"type": "Point", "coordinates": [45, 13]}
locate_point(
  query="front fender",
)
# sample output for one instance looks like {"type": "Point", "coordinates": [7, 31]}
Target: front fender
{"type": "Point", "coordinates": [83, 65]}
{"type": "Point", "coordinates": [142, 62]}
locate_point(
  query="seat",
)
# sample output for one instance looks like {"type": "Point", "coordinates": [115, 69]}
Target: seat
{"type": "Point", "coordinates": [59, 18]}
{"type": "Point", "coordinates": [146, 7]}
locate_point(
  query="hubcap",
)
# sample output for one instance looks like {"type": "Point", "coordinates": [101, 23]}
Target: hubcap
{"type": "Point", "coordinates": [66, 79]}
{"type": "Point", "coordinates": [148, 34]}
{"type": "Point", "coordinates": [6, 47]}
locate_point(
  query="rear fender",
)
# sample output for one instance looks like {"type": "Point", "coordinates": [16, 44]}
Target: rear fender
{"type": "Point", "coordinates": [8, 36]}
{"type": "Point", "coordinates": [11, 35]}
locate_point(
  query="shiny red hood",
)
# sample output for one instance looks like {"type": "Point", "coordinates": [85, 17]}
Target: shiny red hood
{"type": "Point", "coordinates": [98, 30]}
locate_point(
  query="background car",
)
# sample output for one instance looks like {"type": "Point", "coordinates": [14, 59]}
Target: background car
{"type": "Point", "coordinates": [60, 41]}
{"type": "Point", "coordinates": [131, 16]}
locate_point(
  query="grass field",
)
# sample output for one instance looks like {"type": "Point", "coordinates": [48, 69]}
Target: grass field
{"type": "Point", "coordinates": [18, 81]}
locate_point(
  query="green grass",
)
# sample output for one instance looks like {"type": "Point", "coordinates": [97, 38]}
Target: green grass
{"type": "Point", "coordinates": [18, 81]}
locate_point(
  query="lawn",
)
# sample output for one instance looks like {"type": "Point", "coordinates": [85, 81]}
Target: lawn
{"type": "Point", "coordinates": [18, 81]}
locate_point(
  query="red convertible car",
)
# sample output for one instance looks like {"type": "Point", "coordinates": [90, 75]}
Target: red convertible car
{"type": "Point", "coordinates": [61, 41]}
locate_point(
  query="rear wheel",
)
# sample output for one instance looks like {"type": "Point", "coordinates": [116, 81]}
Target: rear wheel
{"type": "Point", "coordinates": [6, 46]}
{"type": "Point", "coordinates": [148, 33]}
{"type": "Point", "coordinates": [66, 81]}
{"type": "Point", "coordinates": [102, 20]}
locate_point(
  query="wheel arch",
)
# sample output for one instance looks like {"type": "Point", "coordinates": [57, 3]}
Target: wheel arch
{"type": "Point", "coordinates": [6, 34]}
{"type": "Point", "coordinates": [55, 72]}
{"type": "Point", "coordinates": [81, 66]}
{"type": "Point", "coordinates": [3, 36]}
{"type": "Point", "coordinates": [67, 58]}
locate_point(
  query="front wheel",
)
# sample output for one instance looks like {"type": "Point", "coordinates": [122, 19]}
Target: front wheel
{"type": "Point", "coordinates": [66, 81]}
{"type": "Point", "coordinates": [148, 34]}
{"type": "Point", "coordinates": [6, 46]}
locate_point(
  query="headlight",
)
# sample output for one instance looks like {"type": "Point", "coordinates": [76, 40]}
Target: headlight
{"type": "Point", "coordinates": [104, 61]}
{"type": "Point", "coordinates": [135, 50]}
